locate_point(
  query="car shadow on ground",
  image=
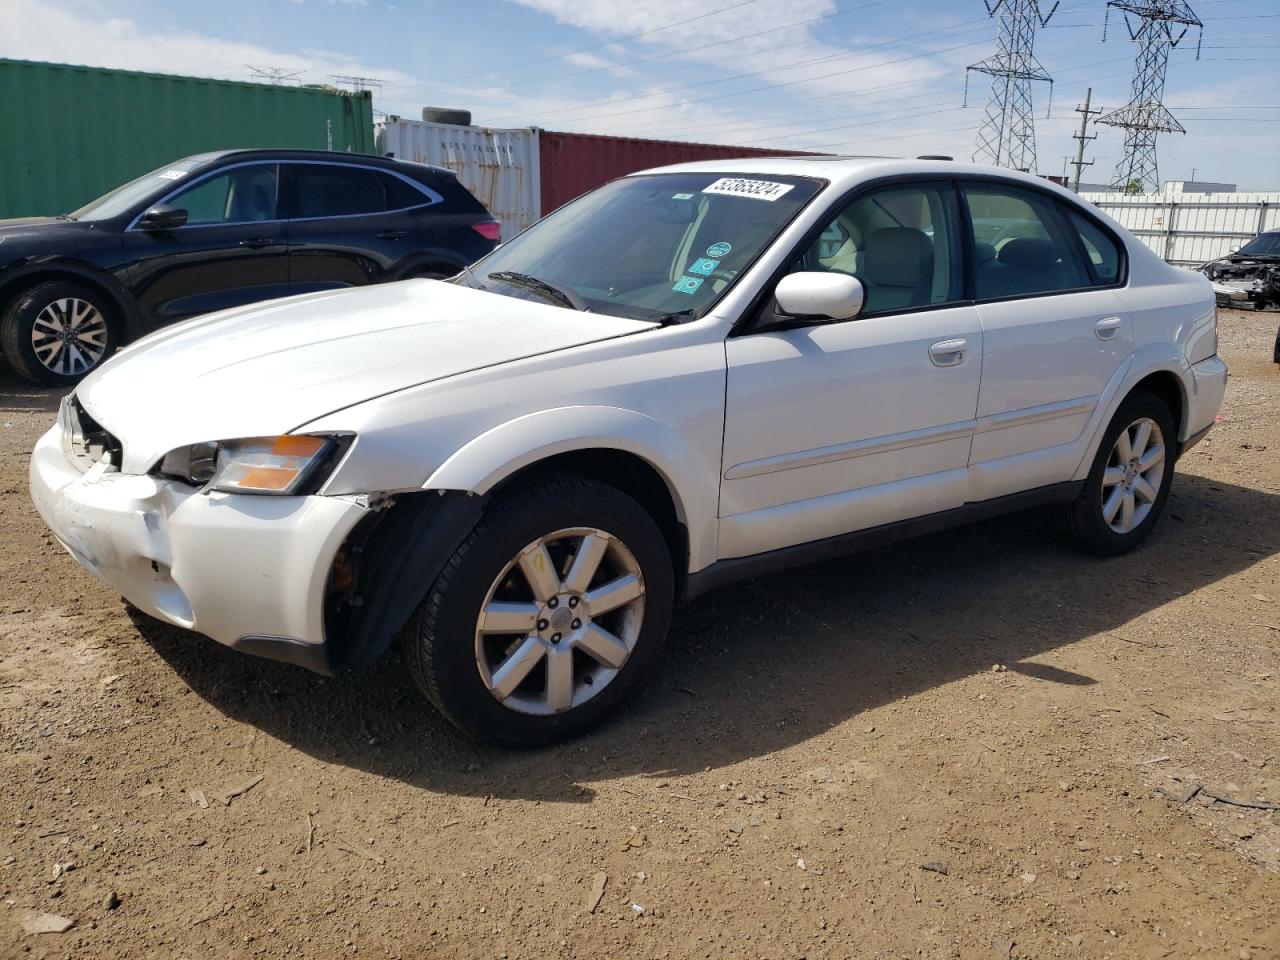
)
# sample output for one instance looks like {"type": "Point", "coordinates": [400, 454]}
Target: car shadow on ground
{"type": "Point", "coordinates": [763, 665]}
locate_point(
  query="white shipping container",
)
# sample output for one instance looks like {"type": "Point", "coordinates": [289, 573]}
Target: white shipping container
{"type": "Point", "coordinates": [501, 167]}
{"type": "Point", "coordinates": [1192, 228]}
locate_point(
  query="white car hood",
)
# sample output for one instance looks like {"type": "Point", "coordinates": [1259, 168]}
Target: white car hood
{"type": "Point", "coordinates": [265, 370]}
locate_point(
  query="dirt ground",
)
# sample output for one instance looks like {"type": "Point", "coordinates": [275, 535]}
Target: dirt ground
{"type": "Point", "coordinates": [1026, 720]}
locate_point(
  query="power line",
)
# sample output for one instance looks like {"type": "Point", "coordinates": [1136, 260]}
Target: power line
{"type": "Point", "coordinates": [610, 43]}
{"type": "Point", "coordinates": [770, 86]}
{"type": "Point", "coordinates": [790, 111]}
{"type": "Point", "coordinates": [892, 117]}
{"type": "Point", "coordinates": [684, 51]}
{"type": "Point", "coordinates": [890, 44]}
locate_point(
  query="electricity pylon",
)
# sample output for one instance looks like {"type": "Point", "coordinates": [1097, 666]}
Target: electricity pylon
{"type": "Point", "coordinates": [1145, 115]}
{"type": "Point", "coordinates": [1007, 137]}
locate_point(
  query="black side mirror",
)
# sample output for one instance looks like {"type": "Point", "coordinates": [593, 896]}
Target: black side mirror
{"type": "Point", "coordinates": [163, 217]}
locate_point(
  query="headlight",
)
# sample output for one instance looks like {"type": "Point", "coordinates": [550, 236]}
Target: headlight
{"type": "Point", "coordinates": [269, 465]}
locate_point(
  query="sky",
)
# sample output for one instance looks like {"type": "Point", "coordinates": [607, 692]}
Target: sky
{"type": "Point", "coordinates": [843, 76]}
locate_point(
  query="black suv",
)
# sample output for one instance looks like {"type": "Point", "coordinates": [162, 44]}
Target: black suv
{"type": "Point", "coordinates": [222, 230]}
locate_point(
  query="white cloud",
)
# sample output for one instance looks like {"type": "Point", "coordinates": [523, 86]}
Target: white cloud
{"type": "Point", "coordinates": [35, 30]}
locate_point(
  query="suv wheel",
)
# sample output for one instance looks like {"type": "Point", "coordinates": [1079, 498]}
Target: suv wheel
{"type": "Point", "coordinates": [1129, 482]}
{"type": "Point", "coordinates": [57, 332]}
{"type": "Point", "coordinates": [552, 611]}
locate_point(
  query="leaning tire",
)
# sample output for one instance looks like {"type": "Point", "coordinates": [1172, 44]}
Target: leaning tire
{"type": "Point", "coordinates": [1129, 481]}
{"type": "Point", "coordinates": [58, 332]}
{"type": "Point", "coordinates": [551, 613]}
{"type": "Point", "coordinates": [457, 118]}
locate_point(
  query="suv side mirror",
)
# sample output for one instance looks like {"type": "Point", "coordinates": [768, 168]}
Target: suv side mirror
{"type": "Point", "coordinates": [163, 217]}
{"type": "Point", "coordinates": [824, 296]}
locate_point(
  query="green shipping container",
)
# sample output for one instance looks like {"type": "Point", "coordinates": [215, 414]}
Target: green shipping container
{"type": "Point", "coordinates": [69, 134]}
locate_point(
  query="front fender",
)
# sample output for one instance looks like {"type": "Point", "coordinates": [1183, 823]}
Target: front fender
{"type": "Point", "coordinates": [484, 462]}
{"type": "Point", "coordinates": [35, 269]}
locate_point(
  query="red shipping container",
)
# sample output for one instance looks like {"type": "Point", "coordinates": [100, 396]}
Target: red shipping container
{"type": "Point", "coordinates": [573, 163]}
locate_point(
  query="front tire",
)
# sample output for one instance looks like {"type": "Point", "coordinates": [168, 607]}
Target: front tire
{"type": "Point", "coordinates": [551, 613]}
{"type": "Point", "coordinates": [1129, 481]}
{"type": "Point", "coordinates": [58, 332]}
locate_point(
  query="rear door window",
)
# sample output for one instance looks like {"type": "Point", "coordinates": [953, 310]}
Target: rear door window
{"type": "Point", "coordinates": [1022, 246]}
{"type": "Point", "coordinates": [324, 190]}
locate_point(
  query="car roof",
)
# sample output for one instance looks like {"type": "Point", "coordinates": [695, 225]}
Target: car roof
{"type": "Point", "coordinates": [844, 172]}
{"type": "Point", "coordinates": [333, 156]}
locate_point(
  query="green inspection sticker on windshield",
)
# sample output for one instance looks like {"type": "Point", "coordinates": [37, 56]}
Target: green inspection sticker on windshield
{"type": "Point", "coordinates": [719, 250]}
{"type": "Point", "coordinates": [687, 285]}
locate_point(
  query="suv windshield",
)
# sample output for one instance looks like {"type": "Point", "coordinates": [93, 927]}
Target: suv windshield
{"type": "Point", "coordinates": [1263, 245]}
{"type": "Point", "coordinates": [648, 246]}
{"type": "Point", "coordinates": [123, 198]}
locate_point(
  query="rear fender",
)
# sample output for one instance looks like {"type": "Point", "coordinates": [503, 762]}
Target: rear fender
{"type": "Point", "coordinates": [1153, 358]}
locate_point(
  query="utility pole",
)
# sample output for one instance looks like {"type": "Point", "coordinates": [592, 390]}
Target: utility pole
{"type": "Point", "coordinates": [1081, 139]}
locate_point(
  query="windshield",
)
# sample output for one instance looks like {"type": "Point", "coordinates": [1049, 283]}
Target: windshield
{"type": "Point", "coordinates": [122, 199]}
{"type": "Point", "coordinates": [1263, 245]}
{"type": "Point", "coordinates": [648, 246]}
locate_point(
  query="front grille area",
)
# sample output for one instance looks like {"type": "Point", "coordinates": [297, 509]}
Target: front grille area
{"type": "Point", "coordinates": [84, 439]}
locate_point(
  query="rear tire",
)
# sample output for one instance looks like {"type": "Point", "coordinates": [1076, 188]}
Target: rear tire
{"type": "Point", "coordinates": [1129, 481]}
{"type": "Point", "coordinates": [58, 332]}
{"type": "Point", "coordinates": [552, 612]}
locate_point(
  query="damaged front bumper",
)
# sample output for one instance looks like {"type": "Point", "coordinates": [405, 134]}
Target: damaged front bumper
{"type": "Point", "coordinates": [1239, 282]}
{"type": "Point", "coordinates": [1233, 293]}
{"type": "Point", "coordinates": [248, 571]}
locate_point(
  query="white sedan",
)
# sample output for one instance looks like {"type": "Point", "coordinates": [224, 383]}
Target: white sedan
{"type": "Point", "coordinates": [689, 376]}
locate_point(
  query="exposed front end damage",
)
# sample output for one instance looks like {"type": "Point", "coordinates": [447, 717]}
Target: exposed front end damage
{"type": "Point", "coordinates": [386, 566]}
{"type": "Point", "coordinates": [1239, 280]}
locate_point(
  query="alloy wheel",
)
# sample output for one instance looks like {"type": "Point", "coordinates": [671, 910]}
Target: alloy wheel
{"type": "Point", "coordinates": [69, 336]}
{"type": "Point", "coordinates": [560, 621]}
{"type": "Point", "coordinates": [1133, 475]}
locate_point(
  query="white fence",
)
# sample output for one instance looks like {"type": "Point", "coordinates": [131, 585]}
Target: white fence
{"type": "Point", "coordinates": [499, 166]}
{"type": "Point", "coordinates": [1192, 228]}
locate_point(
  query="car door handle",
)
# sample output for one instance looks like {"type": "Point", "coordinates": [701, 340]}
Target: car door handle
{"type": "Point", "coordinates": [947, 353]}
{"type": "Point", "coordinates": [257, 242]}
{"type": "Point", "coordinates": [1107, 327]}
{"type": "Point", "coordinates": [393, 234]}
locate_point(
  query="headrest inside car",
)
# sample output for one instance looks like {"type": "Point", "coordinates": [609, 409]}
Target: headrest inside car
{"type": "Point", "coordinates": [898, 257]}
{"type": "Point", "coordinates": [1029, 252]}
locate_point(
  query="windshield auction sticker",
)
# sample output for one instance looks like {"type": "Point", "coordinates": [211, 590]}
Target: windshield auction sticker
{"type": "Point", "coordinates": [756, 189]}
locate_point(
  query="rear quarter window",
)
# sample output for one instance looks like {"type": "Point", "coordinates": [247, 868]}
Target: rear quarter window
{"type": "Point", "coordinates": [457, 198]}
{"type": "Point", "coordinates": [401, 194]}
{"type": "Point", "coordinates": [1103, 254]}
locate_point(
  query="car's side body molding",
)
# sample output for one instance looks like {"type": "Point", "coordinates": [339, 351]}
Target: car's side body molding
{"type": "Point", "coordinates": [728, 571]}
